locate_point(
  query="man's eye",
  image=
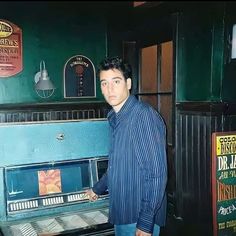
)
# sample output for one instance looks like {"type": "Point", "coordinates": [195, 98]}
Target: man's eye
{"type": "Point", "coordinates": [117, 81]}
{"type": "Point", "coordinates": [104, 84]}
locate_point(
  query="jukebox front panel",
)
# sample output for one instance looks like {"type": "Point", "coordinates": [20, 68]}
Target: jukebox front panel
{"type": "Point", "coordinates": [42, 189]}
{"type": "Point", "coordinates": [51, 185]}
{"type": "Point", "coordinates": [45, 169]}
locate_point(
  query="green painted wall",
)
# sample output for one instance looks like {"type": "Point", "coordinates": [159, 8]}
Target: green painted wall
{"type": "Point", "coordinates": [53, 32]}
{"type": "Point", "coordinates": [229, 84]}
{"type": "Point", "coordinates": [204, 69]}
{"type": "Point", "coordinates": [200, 55]}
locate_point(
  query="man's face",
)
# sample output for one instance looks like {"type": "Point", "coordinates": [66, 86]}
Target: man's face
{"type": "Point", "coordinates": [114, 88]}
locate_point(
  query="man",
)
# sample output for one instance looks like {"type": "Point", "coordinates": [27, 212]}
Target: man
{"type": "Point", "coordinates": [137, 170]}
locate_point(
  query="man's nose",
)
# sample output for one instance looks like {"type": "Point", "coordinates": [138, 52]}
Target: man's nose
{"type": "Point", "coordinates": [110, 87]}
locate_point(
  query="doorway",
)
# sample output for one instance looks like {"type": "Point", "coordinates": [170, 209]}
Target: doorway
{"type": "Point", "coordinates": [153, 83]}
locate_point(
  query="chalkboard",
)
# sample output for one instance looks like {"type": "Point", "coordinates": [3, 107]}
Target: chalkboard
{"type": "Point", "coordinates": [224, 183]}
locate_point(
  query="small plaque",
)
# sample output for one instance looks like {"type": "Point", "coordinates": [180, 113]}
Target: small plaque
{"type": "Point", "coordinates": [79, 78]}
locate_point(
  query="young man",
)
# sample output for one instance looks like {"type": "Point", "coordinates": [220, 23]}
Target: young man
{"type": "Point", "coordinates": [137, 171]}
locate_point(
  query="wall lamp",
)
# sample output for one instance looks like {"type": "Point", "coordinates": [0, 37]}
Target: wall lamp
{"type": "Point", "coordinates": [43, 85]}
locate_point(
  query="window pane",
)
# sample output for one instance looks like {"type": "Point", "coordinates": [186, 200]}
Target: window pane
{"type": "Point", "coordinates": [165, 81]}
{"type": "Point", "coordinates": [151, 99]}
{"type": "Point", "coordinates": [148, 83]}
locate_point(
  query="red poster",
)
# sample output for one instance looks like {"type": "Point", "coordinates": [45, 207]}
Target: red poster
{"type": "Point", "coordinates": [10, 49]}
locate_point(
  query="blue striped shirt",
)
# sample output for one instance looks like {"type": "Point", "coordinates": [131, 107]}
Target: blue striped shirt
{"type": "Point", "coordinates": [137, 171]}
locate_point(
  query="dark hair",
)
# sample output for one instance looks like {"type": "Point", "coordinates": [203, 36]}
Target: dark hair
{"type": "Point", "coordinates": [115, 63]}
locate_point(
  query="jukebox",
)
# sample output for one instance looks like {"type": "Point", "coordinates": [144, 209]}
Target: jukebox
{"type": "Point", "coordinates": [45, 169]}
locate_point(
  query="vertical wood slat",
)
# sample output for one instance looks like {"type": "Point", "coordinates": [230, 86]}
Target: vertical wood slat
{"type": "Point", "coordinates": [193, 165]}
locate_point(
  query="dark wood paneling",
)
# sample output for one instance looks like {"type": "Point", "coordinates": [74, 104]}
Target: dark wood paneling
{"type": "Point", "coordinates": [195, 124]}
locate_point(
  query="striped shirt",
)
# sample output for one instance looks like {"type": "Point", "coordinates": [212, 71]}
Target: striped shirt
{"type": "Point", "coordinates": [137, 171]}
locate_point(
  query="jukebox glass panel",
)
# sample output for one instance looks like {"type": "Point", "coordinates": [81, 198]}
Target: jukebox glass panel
{"type": "Point", "coordinates": [33, 181]}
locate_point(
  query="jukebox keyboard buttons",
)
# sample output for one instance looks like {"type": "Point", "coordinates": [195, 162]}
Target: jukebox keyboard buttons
{"type": "Point", "coordinates": [19, 206]}
{"type": "Point", "coordinates": [53, 201]}
{"type": "Point", "coordinates": [77, 197]}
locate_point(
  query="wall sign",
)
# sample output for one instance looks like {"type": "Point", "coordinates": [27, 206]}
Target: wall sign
{"type": "Point", "coordinates": [224, 183]}
{"type": "Point", "coordinates": [10, 49]}
{"type": "Point", "coordinates": [79, 78]}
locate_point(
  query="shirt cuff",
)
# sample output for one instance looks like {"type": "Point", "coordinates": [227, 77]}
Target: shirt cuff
{"type": "Point", "coordinates": [97, 189]}
{"type": "Point", "coordinates": [146, 222]}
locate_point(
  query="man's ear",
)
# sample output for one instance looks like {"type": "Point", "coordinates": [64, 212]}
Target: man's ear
{"type": "Point", "coordinates": [129, 83]}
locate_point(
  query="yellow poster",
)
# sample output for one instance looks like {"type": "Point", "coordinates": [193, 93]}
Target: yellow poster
{"type": "Point", "coordinates": [224, 183]}
{"type": "Point", "coordinates": [226, 144]}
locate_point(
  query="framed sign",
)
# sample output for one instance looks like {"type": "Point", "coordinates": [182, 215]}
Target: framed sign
{"type": "Point", "coordinates": [224, 183]}
{"type": "Point", "coordinates": [79, 78]}
{"type": "Point", "coordinates": [10, 49]}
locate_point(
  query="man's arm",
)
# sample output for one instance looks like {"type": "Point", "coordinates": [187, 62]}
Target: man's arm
{"type": "Point", "coordinates": [150, 146]}
{"type": "Point", "coordinates": [101, 186]}
{"type": "Point", "coordinates": [98, 188]}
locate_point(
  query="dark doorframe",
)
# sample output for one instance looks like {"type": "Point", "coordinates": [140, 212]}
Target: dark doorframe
{"type": "Point", "coordinates": [153, 82]}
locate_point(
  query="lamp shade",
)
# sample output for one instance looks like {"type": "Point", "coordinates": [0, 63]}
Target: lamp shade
{"type": "Point", "coordinates": [44, 83]}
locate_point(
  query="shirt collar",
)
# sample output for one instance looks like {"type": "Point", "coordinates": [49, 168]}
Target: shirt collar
{"type": "Point", "coordinates": [114, 118]}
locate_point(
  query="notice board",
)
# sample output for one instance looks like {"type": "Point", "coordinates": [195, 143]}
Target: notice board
{"type": "Point", "coordinates": [224, 183]}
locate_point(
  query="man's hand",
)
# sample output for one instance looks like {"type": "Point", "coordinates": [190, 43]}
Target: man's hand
{"type": "Point", "coordinates": [142, 233]}
{"type": "Point", "coordinates": [91, 195]}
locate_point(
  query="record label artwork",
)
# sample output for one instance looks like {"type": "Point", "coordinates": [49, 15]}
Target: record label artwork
{"type": "Point", "coordinates": [49, 182]}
